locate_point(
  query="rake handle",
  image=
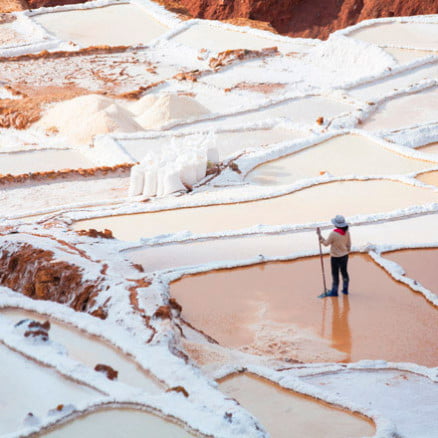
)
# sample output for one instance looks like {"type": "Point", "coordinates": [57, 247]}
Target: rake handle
{"type": "Point", "coordinates": [318, 230]}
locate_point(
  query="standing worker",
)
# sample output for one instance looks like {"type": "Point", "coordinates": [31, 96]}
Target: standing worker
{"type": "Point", "coordinates": [340, 245]}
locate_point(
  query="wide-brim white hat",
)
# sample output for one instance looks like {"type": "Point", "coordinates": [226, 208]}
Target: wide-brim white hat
{"type": "Point", "coordinates": [339, 221]}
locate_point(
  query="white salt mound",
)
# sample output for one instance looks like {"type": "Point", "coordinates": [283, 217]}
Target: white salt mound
{"type": "Point", "coordinates": [168, 108]}
{"type": "Point", "coordinates": [82, 118]}
{"type": "Point", "coordinates": [350, 58]}
{"type": "Point", "coordinates": [140, 106]}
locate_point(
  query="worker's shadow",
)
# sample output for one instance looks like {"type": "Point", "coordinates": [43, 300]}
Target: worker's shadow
{"type": "Point", "coordinates": [341, 334]}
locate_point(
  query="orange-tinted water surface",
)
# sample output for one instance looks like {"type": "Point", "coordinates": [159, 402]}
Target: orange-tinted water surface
{"type": "Point", "coordinates": [272, 309]}
{"type": "Point", "coordinates": [419, 264]}
{"type": "Point", "coordinates": [287, 414]}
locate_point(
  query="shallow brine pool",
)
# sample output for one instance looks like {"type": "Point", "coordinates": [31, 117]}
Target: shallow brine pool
{"type": "Point", "coordinates": [272, 310]}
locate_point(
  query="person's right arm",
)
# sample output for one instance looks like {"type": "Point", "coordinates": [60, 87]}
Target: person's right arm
{"type": "Point", "coordinates": [328, 241]}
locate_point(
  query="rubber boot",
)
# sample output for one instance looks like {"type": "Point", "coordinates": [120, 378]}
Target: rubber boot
{"type": "Point", "coordinates": [345, 287]}
{"type": "Point", "coordinates": [333, 292]}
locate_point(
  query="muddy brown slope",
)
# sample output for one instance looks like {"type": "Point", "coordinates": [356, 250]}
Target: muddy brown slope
{"type": "Point", "coordinates": [308, 18]}
{"type": "Point", "coordinates": [49, 3]}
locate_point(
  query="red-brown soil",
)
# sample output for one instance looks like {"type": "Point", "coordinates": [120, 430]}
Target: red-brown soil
{"type": "Point", "coordinates": [12, 5]}
{"type": "Point", "coordinates": [37, 274]}
{"type": "Point", "coordinates": [307, 18]}
{"type": "Point", "coordinates": [33, 4]}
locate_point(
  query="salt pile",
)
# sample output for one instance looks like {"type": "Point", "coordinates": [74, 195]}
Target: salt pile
{"type": "Point", "coordinates": [350, 58]}
{"type": "Point", "coordinates": [169, 108]}
{"type": "Point", "coordinates": [182, 164]}
{"type": "Point", "coordinates": [82, 118]}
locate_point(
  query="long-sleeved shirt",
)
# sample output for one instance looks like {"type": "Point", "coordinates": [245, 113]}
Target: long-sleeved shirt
{"type": "Point", "coordinates": [340, 245]}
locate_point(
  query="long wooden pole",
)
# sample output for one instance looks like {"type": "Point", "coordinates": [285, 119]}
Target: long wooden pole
{"type": "Point", "coordinates": [322, 261]}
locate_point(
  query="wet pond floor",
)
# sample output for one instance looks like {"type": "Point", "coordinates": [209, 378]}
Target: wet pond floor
{"type": "Point", "coordinates": [419, 264]}
{"type": "Point", "coordinates": [429, 178]}
{"type": "Point", "coordinates": [405, 111]}
{"type": "Point", "coordinates": [286, 414]}
{"type": "Point", "coordinates": [42, 161]}
{"type": "Point", "coordinates": [115, 25]}
{"type": "Point", "coordinates": [431, 148]}
{"type": "Point", "coordinates": [119, 423]}
{"type": "Point", "coordinates": [308, 205]}
{"type": "Point", "coordinates": [360, 156]}
{"type": "Point", "coordinates": [272, 309]}
{"type": "Point", "coordinates": [414, 35]}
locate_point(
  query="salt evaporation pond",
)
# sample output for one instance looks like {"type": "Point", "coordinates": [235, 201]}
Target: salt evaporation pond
{"type": "Point", "coordinates": [413, 231]}
{"type": "Point", "coordinates": [229, 143]}
{"type": "Point", "coordinates": [207, 36]}
{"type": "Point", "coordinates": [431, 148]}
{"type": "Point", "coordinates": [28, 387]}
{"type": "Point", "coordinates": [89, 350]}
{"type": "Point", "coordinates": [429, 178]}
{"type": "Point", "coordinates": [309, 205]}
{"type": "Point", "coordinates": [42, 161]}
{"type": "Point", "coordinates": [360, 156]}
{"type": "Point", "coordinates": [272, 309]}
{"type": "Point", "coordinates": [405, 111]}
{"type": "Point", "coordinates": [303, 110]}
{"type": "Point", "coordinates": [392, 393]}
{"type": "Point", "coordinates": [376, 89]}
{"type": "Point", "coordinates": [58, 193]}
{"type": "Point", "coordinates": [419, 264]}
{"type": "Point", "coordinates": [119, 423]}
{"type": "Point", "coordinates": [418, 35]}
{"type": "Point", "coordinates": [286, 414]}
{"type": "Point", "coordinates": [405, 56]}
{"type": "Point", "coordinates": [114, 25]}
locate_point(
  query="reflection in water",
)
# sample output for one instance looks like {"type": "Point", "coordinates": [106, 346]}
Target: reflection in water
{"type": "Point", "coordinates": [340, 326]}
{"type": "Point", "coordinates": [272, 309]}
{"type": "Point", "coordinates": [341, 335]}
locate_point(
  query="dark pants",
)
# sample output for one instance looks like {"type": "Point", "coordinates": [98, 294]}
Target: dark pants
{"type": "Point", "coordinates": [339, 264]}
